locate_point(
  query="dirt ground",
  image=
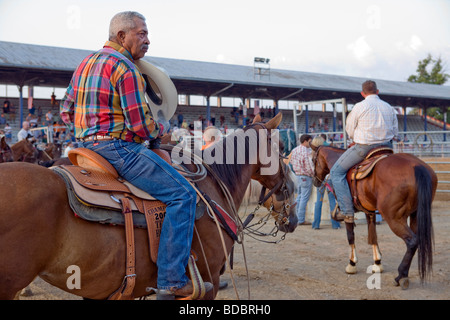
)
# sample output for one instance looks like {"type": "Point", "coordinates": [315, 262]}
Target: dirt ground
{"type": "Point", "coordinates": [309, 264]}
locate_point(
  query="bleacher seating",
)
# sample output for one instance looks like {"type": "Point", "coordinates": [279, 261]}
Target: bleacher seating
{"type": "Point", "coordinates": [191, 113]}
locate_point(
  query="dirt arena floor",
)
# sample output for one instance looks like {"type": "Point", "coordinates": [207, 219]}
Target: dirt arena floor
{"type": "Point", "coordinates": [309, 264]}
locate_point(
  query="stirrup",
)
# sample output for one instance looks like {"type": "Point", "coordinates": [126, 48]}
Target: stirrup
{"type": "Point", "coordinates": [197, 281]}
{"type": "Point", "coordinates": [335, 211]}
{"type": "Point", "coordinates": [199, 288]}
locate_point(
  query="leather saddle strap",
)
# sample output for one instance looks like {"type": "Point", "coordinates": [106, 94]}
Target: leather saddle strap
{"type": "Point", "coordinates": [125, 292]}
{"type": "Point", "coordinates": [153, 233]}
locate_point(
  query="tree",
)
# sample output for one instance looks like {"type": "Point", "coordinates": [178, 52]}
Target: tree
{"type": "Point", "coordinates": [435, 76]}
{"type": "Point", "coordinates": [431, 71]}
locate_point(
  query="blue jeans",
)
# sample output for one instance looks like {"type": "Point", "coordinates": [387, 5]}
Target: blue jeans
{"type": "Point", "coordinates": [147, 171]}
{"type": "Point", "coordinates": [338, 174]}
{"type": "Point", "coordinates": [303, 194]}
{"type": "Point", "coordinates": [318, 208]}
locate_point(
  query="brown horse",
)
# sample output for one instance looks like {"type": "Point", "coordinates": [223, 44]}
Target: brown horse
{"type": "Point", "coordinates": [40, 235]}
{"type": "Point", "coordinates": [5, 151]}
{"type": "Point", "coordinates": [24, 151]}
{"type": "Point", "coordinates": [399, 187]}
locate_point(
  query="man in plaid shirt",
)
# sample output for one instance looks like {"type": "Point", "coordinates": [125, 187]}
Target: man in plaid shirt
{"type": "Point", "coordinates": [301, 162]}
{"type": "Point", "coordinates": [371, 123]}
{"type": "Point", "coordinates": [105, 101]}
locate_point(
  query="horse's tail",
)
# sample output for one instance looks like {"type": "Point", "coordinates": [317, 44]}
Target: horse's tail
{"type": "Point", "coordinates": [424, 222]}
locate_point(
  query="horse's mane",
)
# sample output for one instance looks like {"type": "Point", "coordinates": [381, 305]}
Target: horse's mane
{"type": "Point", "coordinates": [230, 173]}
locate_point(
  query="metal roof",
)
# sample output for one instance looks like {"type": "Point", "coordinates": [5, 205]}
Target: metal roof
{"type": "Point", "coordinates": [26, 64]}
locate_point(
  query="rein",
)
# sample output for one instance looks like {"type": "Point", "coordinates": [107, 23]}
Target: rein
{"type": "Point", "coordinates": [202, 171]}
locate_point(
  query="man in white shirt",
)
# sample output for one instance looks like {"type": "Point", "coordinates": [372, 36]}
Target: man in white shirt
{"type": "Point", "coordinates": [24, 132]}
{"type": "Point", "coordinates": [372, 123]}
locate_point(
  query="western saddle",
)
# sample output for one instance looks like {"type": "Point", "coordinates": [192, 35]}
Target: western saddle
{"type": "Point", "coordinates": [363, 170]}
{"type": "Point", "coordinates": [97, 193]}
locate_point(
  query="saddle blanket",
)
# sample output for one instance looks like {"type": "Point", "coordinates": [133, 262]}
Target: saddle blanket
{"type": "Point", "coordinates": [101, 213]}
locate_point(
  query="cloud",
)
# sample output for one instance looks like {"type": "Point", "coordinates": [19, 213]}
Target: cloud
{"type": "Point", "coordinates": [415, 43]}
{"type": "Point", "coordinates": [362, 51]}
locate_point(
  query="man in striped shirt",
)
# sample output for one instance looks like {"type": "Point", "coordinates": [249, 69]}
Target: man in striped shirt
{"type": "Point", "coordinates": [300, 159]}
{"type": "Point", "coordinates": [371, 123]}
{"type": "Point", "coordinates": [105, 102]}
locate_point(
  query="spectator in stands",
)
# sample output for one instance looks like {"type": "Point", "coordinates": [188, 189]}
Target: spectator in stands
{"type": "Point", "coordinates": [25, 132]}
{"type": "Point", "coordinates": [371, 123]}
{"type": "Point", "coordinates": [32, 110]}
{"type": "Point", "coordinates": [32, 119]}
{"type": "Point", "coordinates": [180, 119]}
{"type": "Point", "coordinates": [301, 162]}
{"type": "Point", "coordinates": [6, 108]}
{"type": "Point", "coordinates": [8, 132]}
{"type": "Point", "coordinates": [39, 114]}
{"type": "Point", "coordinates": [2, 119]}
{"type": "Point", "coordinates": [12, 114]}
{"type": "Point", "coordinates": [37, 134]}
{"type": "Point", "coordinates": [49, 117]}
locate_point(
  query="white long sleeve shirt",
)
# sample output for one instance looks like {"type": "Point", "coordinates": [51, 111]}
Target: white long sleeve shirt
{"type": "Point", "coordinates": [372, 121]}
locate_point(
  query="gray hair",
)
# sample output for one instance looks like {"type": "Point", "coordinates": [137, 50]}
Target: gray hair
{"type": "Point", "coordinates": [123, 21]}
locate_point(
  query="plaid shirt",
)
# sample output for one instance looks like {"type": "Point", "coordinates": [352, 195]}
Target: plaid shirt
{"type": "Point", "coordinates": [301, 161]}
{"type": "Point", "coordinates": [107, 96]}
{"type": "Point", "coordinates": [372, 121]}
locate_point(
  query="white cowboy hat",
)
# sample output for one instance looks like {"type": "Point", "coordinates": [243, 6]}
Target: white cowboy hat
{"type": "Point", "coordinates": [161, 93]}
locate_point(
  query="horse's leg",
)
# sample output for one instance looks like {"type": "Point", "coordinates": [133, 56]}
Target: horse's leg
{"type": "Point", "coordinates": [351, 267]}
{"type": "Point", "coordinates": [401, 229]}
{"type": "Point", "coordinates": [372, 239]}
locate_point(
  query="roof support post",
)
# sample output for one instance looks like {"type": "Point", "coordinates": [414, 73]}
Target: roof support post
{"type": "Point", "coordinates": [20, 104]}
{"type": "Point", "coordinates": [425, 122]}
{"type": "Point", "coordinates": [208, 109]}
{"type": "Point", "coordinates": [306, 119]}
{"type": "Point", "coordinates": [444, 112]}
{"type": "Point", "coordinates": [344, 117]}
{"type": "Point", "coordinates": [334, 116]}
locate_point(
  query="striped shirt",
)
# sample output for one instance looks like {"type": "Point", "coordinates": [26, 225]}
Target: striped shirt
{"type": "Point", "coordinates": [301, 161]}
{"type": "Point", "coordinates": [107, 96]}
{"type": "Point", "coordinates": [372, 121]}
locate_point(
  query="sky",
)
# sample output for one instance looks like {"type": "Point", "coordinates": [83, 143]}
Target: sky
{"type": "Point", "coordinates": [372, 39]}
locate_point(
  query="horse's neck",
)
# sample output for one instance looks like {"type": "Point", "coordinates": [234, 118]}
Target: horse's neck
{"type": "Point", "coordinates": [331, 156]}
{"type": "Point", "coordinates": [241, 186]}
{"type": "Point", "coordinates": [237, 192]}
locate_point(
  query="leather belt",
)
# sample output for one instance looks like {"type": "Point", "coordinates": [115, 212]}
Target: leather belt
{"type": "Point", "coordinates": [97, 137]}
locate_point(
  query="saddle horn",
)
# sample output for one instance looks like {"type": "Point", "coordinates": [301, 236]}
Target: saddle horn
{"type": "Point", "coordinates": [161, 93]}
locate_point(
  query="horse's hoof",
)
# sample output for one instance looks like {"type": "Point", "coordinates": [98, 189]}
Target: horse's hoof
{"type": "Point", "coordinates": [350, 269]}
{"type": "Point", "coordinates": [377, 268]}
{"type": "Point", "coordinates": [404, 283]}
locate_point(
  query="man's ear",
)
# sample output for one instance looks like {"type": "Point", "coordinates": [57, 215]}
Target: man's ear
{"type": "Point", "coordinates": [121, 36]}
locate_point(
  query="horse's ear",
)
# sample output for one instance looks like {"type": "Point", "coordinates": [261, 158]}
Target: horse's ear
{"type": "Point", "coordinates": [275, 121]}
{"type": "Point", "coordinates": [257, 119]}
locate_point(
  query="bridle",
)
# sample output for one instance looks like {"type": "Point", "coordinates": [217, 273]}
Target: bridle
{"type": "Point", "coordinates": [317, 164]}
{"type": "Point", "coordinates": [282, 216]}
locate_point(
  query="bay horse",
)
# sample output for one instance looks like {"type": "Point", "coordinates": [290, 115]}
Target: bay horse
{"type": "Point", "coordinates": [400, 186]}
{"type": "Point", "coordinates": [24, 151]}
{"type": "Point", "coordinates": [41, 236]}
{"type": "Point", "coordinates": [5, 151]}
